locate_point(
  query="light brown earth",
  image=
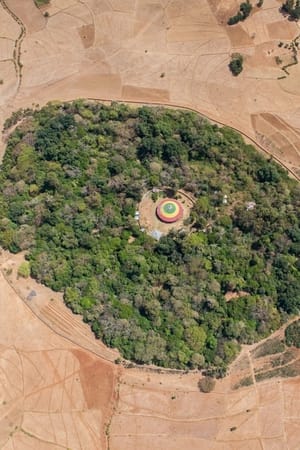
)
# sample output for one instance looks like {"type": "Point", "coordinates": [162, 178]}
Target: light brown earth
{"type": "Point", "coordinates": [58, 386]}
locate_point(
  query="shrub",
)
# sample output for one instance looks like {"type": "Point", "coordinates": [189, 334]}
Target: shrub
{"type": "Point", "coordinates": [24, 269]}
{"type": "Point", "coordinates": [206, 384]}
{"type": "Point", "coordinates": [236, 64]}
{"type": "Point", "coordinates": [40, 3]}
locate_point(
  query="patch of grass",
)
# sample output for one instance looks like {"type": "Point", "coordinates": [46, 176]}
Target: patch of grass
{"type": "Point", "coordinates": [269, 347]}
{"type": "Point", "coordinates": [292, 334]}
{"type": "Point", "coordinates": [40, 3]}
{"type": "Point", "coordinates": [292, 370]}
{"type": "Point", "coordinates": [247, 381]}
{"type": "Point", "coordinates": [283, 359]}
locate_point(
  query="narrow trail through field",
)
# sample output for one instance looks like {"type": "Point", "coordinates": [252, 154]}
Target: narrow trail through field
{"type": "Point", "coordinates": [18, 43]}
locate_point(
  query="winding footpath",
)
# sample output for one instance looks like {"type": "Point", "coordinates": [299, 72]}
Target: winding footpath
{"type": "Point", "coordinates": [18, 43]}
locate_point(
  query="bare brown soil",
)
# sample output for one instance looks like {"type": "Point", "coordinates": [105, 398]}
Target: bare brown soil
{"type": "Point", "coordinates": [58, 386]}
{"type": "Point", "coordinates": [232, 295]}
{"type": "Point", "coordinates": [53, 393]}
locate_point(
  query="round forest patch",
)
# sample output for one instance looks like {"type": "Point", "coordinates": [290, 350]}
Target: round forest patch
{"type": "Point", "coordinates": [75, 175]}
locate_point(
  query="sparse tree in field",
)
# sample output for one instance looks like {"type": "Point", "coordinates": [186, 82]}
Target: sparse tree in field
{"type": "Point", "coordinates": [292, 7]}
{"type": "Point", "coordinates": [236, 64]}
{"type": "Point", "coordinates": [24, 269]}
{"type": "Point", "coordinates": [206, 384]}
{"type": "Point", "coordinates": [242, 14]}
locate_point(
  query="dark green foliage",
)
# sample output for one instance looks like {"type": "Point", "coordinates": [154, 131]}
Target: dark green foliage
{"type": "Point", "coordinates": [243, 13]}
{"type": "Point", "coordinates": [71, 179]}
{"type": "Point", "coordinates": [292, 334]}
{"type": "Point", "coordinates": [236, 64]}
{"type": "Point", "coordinates": [292, 7]}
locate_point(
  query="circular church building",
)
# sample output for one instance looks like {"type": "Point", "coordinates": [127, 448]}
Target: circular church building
{"type": "Point", "coordinates": [169, 210]}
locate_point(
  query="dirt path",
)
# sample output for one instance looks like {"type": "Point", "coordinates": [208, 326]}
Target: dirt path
{"type": "Point", "coordinates": [18, 43]}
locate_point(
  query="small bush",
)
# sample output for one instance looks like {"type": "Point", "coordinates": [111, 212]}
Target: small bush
{"type": "Point", "coordinates": [24, 269]}
{"type": "Point", "coordinates": [40, 3]}
{"type": "Point", "coordinates": [236, 64]}
{"type": "Point", "coordinates": [206, 384]}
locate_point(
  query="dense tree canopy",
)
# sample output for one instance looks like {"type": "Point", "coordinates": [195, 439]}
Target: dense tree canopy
{"type": "Point", "coordinates": [292, 7]}
{"type": "Point", "coordinates": [244, 11]}
{"type": "Point", "coordinates": [71, 179]}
